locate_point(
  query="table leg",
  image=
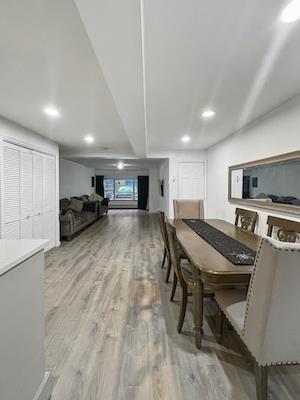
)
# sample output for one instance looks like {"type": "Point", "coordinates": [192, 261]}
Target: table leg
{"type": "Point", "coordinates": [198, 311]}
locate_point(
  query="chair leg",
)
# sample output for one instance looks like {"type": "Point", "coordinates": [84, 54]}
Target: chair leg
{"type": "Point", "coordinates": [220, 326]}
{"type": "Point", "coordinates": [182, 309]}
{"type": "Point", "coordinates": [174, 286]}
{"type": "Point", "coordinates": [164, 258]}
{"type": "Point", "coordinates": [168, 271]}
{"type": "Point", "coordinates": [261, 377]}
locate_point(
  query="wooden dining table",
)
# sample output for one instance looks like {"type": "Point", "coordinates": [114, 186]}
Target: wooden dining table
{"type": "Point", "coordinates": [209, 266]}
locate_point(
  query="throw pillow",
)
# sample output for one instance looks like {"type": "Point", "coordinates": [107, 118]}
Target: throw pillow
{"type": "Point", "coordinates": [95, 197]}
{"type": "Point", "coordinates": [76, 205]}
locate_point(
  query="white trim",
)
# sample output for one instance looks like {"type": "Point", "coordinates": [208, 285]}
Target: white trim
{"type": "Point", "coordinates": [44, 390]}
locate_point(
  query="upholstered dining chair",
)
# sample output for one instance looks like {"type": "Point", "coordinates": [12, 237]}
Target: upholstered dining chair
{"type": "Point", "coordinates": [267, 318]}
{"type": "Point", "coordinates": [188, 209]}
{"type": "Point", "coordinates": [246, 218]}
{"type": "Point", "coordinates": [287, 231]}
{"type": "Point", "coordinates": [182, 274]}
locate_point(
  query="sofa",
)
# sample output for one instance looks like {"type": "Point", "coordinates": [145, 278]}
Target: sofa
{"type": "Point", "coordinates": [78, 213]}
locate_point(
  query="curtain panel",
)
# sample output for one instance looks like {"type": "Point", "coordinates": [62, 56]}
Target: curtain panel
{"type": "Point", "coordinates": [143, 191]}
{"type": "Point", "coordinates": [100, 185]}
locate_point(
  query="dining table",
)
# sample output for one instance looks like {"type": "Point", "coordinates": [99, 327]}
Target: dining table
{"type": "Point", "coordinates": [209, 266]}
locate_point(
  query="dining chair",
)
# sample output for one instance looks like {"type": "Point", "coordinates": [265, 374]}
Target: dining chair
{"type": "Point", "coordinates": [182, 274]}
{"type": "Point", "coordinates": [166, 253]}
{"type": "Point", "coordinates": [188, 209]}
{"type": "Point", "coordinates": [266, 317]}
{"type": "Point", "coordinates": [246, 218]}
{"type": "Point", "coordinates": [287, 231]}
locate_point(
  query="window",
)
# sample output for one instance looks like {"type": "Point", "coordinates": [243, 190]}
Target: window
{"type": "Point", "coordinates": [109, 188]}
{"type": "Point", "coordinates": [121, 189]}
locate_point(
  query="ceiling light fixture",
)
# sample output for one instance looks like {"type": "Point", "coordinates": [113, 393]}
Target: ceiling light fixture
{"type": "Point", "coordinates": [185, 139]}
{"type": "Point", "coordinates": [120, 165]}
{"type": "Point", "coordinates": [89, 139]}
{"type": "Point", "coordinates": [51, 111]}
{"type": "Point", "coordinates": [208, 114]}
{"type": "Point", "coordinates": [291, 12]}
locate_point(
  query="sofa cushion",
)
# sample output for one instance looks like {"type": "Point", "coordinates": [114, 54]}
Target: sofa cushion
{"type": "Point", "coordinates": [83, 219]}
{"type": "Point", "coordinates": [90, 206]}
{"type": "Point", "coordinates": [64, 205]}
{"type": "Point", "coordinates": [76, 204]}
{"type": "Point", "coordinates": [95, 197]}
{"type": "Point", "coordinates": [84, 198]}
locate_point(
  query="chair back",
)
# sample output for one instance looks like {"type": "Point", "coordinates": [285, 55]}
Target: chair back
{"type": "Point", "coordinates": [163, 229]}
{"type": "Point", "coordinates": [188, 209]}
{"type": "Point", "coordinates": [175, 259]}
{"type": "Point", "coordinates": [247, 219]}
{"type": "Point", "coordinates": [288, 231]}
{"type": "Point", "coordinates": [272, 322]}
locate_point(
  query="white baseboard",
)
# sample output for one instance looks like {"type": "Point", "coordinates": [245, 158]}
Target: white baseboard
{"type": "Point", "coordinates": [44, 391]}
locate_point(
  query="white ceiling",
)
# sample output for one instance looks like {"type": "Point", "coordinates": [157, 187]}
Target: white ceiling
{"type": "Point", "coordinates": [46, 58]}
{"type": "Point", "coordinates": [137, 74]}
{"type": "Point", "coordinates": [111, 163]}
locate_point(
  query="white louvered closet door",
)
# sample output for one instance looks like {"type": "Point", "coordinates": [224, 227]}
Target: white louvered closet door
{"type": "Point", "coordinates": [38, 196]}
{"type": "Point", "coordinates": [49, 200]}
{"type": "Point", "coordinates": [26, 194]}
{"type": "Point", "coordinates": [11, 191]}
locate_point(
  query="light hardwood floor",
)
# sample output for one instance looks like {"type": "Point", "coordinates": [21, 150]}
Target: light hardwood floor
{"type": "Point", "coordinates": [111, 329]}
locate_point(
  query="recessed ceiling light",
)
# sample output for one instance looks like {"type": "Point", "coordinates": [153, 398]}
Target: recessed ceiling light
{"type": "Point", "coordinates": [89, 139]}
{"type": "Point", "coordinates": [208, 114]}
{"type": "Point", "coordinates": [120, 165]}
{"type": "Point", "coordinates": [291, 12]}
{"type": "Point", "coordinates": [51, 111]}
{"type": "Point", "coordinates": [185, 139]}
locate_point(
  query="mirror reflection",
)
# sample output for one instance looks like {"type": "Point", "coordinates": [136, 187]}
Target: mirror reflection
{"type": "Point", "coordinates": [277, 183]}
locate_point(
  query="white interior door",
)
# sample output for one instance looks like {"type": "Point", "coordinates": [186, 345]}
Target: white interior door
{"type": "Point", "coordinates": [49, 200]}
{"type": "Point", "coordinates": [11, 191]}
{"type": "Point", "coordinates": [26, 194]}
{"type": "Point", "coordinates": [38, 196]}
{"type": "Point", "coordinates": [191, 180]}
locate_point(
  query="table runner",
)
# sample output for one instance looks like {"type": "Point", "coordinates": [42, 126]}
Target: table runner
{"type": "Point", "coordinates": [232, 249]}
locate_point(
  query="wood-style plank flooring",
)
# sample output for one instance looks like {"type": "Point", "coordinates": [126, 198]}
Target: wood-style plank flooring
{"type": "Point", "coordinates": [111, 329]}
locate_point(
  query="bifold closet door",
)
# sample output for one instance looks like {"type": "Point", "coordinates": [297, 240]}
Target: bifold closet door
{"type": "Point", "coordinates": [49, 200]}
{"type": "Point", "coordinates": [26, 194]}
{"type": "Point", "coordinates": [38, 196]}
{"type": "Point", "coordinates": [11, 191]}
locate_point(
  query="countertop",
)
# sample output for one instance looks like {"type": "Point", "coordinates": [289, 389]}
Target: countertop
{"type": "Point", "coordinates": [13, 252]}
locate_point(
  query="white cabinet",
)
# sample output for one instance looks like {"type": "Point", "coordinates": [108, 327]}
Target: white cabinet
{"type": "Point", "coordinates": [26, 194]}
{"type": "Point", "coordinates": [49, 200]}
{"type": "Point", "coordinates": [11, 191]}
{"type": "Point", "coordinates": [38, 196]}
{"type": "Point", "coordinates": [28, 190]}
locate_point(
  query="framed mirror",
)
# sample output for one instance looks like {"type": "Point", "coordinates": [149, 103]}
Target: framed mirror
{"type": "Point", "coordinates": [271, 183]}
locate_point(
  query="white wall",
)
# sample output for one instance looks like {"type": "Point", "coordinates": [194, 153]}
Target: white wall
{"type": "Point", "coordinates": [75, 179]}
{"type": "Point", "coordinates": [164, 176]}
{"type": "Point", "coordinates": [25, 137]}
{"type": "Point", "coordinates": [153, 199]}
{"type": "Point", "coordinates": [276, 133]}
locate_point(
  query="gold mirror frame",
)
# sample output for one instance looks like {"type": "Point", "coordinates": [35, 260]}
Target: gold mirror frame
{"type": "Point", "coordinates": [291, 209]}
